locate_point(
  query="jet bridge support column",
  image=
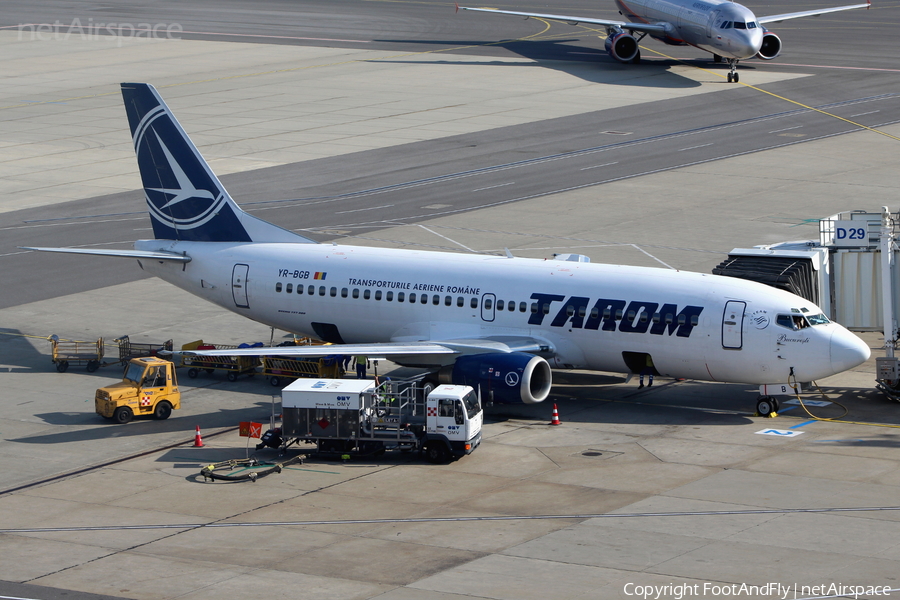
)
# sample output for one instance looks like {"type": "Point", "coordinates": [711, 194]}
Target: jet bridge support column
{"type": "Point", "coordinates": [887, 300]}
{"type": "Point", "coordinates": [888, 367]}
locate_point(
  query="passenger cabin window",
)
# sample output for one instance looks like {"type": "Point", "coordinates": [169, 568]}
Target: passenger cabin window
{"type": "Point", "coordinates": [378, 294]}
{"type": "Point", "coordinates": [423, 299]}
{"type": "Point", "coordinates": [435, 299]}
{"type": "Point", "coordinates": [356, 292]}
{"type": "Point", "coordinates": [289, 288]}
{"type": "Point", "coordinates": [412, 298]}
{"type": "Point", "coordinates": [278, 287]}
{"type": "Point", "coordinates": [460, 301]}
{"type": "Point", "coordinates": [321, 290]}
{"type": "Point", "coordinates": [488, 304]}
{"type": "Point", "coordinates": [334, 292]}
{"type": "Point", "coordinates": [474, 303]}
{"type": "Point", "coordinates": [400, 296]}
{"type": "Point", "coordinates": [311, 290]}
{"type": "Point", "coordinates": [523, 306]}
{"type": "Point", "coordinates": [500, 304]}
{"type": "Point", "coordinates": [448, 301]}
{"type": "Point", "coordinates": [344, 292]}
{"type": "Point", "coordinates": [299, 289]}
{"type": "Point", "coordinates": [389, 296]}
{"type": "Point", "coordinates": [367, 294]}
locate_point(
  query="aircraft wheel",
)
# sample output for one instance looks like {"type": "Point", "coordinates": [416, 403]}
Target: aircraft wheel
{"type": "Point", "coordinates": [730, 78]}
{"type": "Point", "coordinates": [123, 415]}
{"type": "Point", "coordinates": [736, 77]}
{"type": "Point", "coordinates": [62, 365]}
{"type": "Point", "coordinates": [775, 404]}
{"type": "Point", "coordinates": [162, 411]}
{"type": "Point", "coordinates": [765, 406]}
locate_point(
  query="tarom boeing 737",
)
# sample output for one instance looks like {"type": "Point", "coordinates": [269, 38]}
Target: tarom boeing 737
{"type": "Point", "coordinates": [501, 322]}
{"type": "Point", "coordinates": [727, 29]}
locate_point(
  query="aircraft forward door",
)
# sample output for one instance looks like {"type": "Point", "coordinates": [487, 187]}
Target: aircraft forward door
{"type": "Point", "coordinates": [239, 285]}
{"type": "Point", "coordinates": [733, 325]}
{"type": "Point", "coordinates": [487, 307]}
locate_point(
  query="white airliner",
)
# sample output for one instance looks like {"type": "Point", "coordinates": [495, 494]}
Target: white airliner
{"type": "Point", "coordinates": [727, 29]}
{"type": "Point", "coordinates": [501, 322]}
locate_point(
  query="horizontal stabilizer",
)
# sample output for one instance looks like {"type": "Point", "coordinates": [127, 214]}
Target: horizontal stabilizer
{"type": "Point", "coordinates": [119, 253]}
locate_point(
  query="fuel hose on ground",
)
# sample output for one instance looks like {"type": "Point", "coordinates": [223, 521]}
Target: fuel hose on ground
{"type": "Point", "coordinates": [244, 469]}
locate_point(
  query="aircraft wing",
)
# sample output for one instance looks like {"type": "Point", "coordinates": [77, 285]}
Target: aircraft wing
{"type": "Point", "coordinates": [809, 13]}
{"type": "Point", "coordinates": [660, 28]}
{"type": "Point", "coordinates": [120, 253]}
{"type": "Point", "coordinates": [459, 346]}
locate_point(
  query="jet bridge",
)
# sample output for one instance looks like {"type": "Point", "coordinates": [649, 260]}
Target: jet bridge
{"type": "Point", "coordinates": [851, 272]}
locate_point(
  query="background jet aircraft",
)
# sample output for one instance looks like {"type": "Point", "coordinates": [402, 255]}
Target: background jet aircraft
{"type": "Point", "coordinates": [727, 29]}
{"type": "Point", "coordinates": [499, 322]}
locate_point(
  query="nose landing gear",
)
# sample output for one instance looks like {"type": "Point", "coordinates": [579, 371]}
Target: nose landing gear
{"type": "Point", "coordinates": [767, 406]}
{"type": "Point", "coordinates": [733, 76]}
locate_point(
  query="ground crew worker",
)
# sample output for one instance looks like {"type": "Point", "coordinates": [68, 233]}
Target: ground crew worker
{"type": "Point", "coordinates": [648, 370]}
{"type": "Point", "coordinates": [362, 362]}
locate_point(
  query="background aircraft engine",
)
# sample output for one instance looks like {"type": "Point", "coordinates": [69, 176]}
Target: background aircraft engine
{"type": "Point", "coordinates": [513, 378]}
{"type": "Point", "coordinates": [621, 46]}
{"type": "Point", "coordinates": [771, 46]}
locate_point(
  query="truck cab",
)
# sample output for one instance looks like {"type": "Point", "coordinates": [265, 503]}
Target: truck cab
{"type": "Point", "coordinates": [148, 387]}
{"type": "Point", "coordinates": [452, 423]}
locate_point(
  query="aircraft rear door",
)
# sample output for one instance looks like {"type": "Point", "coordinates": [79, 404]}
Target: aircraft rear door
{"type": "Point", "coordinates": [733, 324]}
{"type": "Point", "coordinates": [487, 307]}
{"type": "Point", "coordinates": [239, 285]}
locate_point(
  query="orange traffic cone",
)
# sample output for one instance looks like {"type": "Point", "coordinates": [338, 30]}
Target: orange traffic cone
{"type": "Point", "coordinates": [555, 420]}
{"type": "Point", "coordinates": [198, 441]}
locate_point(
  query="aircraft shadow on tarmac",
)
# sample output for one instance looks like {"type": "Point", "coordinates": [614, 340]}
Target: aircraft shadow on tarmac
{"type": "Point", "coordinates": [590, 63]}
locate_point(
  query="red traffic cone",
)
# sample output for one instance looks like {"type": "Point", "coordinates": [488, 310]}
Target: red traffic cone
{"type": "Point", "coordinates": [198, 441]}
{"type": "Point", "coordinates": [555, 420]}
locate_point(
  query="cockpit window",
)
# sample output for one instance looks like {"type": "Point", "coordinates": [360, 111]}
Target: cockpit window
{"type": "Point", "coordinates": [726, 25]}
{"type": "Point", "coordinates": [740, 25]}
{"type": "Point", "coordinates": [752, 25]}
{"type": "Point", "coordinates": [785, 321]}
{"type": "Point", "coordinates": [818, 319]}
{"type": "Point", "coordinates": [793, 322]}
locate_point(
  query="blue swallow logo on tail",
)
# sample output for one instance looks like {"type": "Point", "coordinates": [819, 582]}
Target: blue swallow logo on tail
{"type": "Point", "coordinates": [185, 198]}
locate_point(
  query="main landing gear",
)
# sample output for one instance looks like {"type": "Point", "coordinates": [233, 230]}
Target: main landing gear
{"type": "Point", "coordinates": [733, 76]}
{"type": "Point", "coordinates": [767, 406]}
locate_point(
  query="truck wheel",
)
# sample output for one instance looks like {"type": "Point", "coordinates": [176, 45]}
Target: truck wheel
{"type": "Point", "coordinates": [274, 381]}
{"type": "Point", "coordinates": [232, 376]}
{"type": "Point", "coordinates": [436, 452]}
{"type": "Point", "coordinates": [93, 365]}
{"type": "Point", "coordinates": [123, 415]}
{"type": "Point", "coordinates": [162, 411]}
{"type": "Point", "coordinates": [62, 365]}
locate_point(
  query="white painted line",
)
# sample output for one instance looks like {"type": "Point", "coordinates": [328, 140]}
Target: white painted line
{"type": "Point", "coordinates": [598, 166]}
{"type": "Point", "coordinates": [786, 129]}
{"type": "Point", "coordinates": [780, 432]}
{"type": "Point", "coordinates": [695, 147]}
{"type": "Point", "coordinates": [490, 187]}
{"type": "Point", "coordinates": [871, 112]}
{"type": "Point", "coordinates": [344, 212]}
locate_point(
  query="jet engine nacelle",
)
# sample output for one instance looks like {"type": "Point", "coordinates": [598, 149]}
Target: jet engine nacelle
{"type": "Point", "coordinates": [621, 46]}
{"type": "Point", "coordinates": [771, 46]}
{"type": "Point", "coordinates": [513, 378]}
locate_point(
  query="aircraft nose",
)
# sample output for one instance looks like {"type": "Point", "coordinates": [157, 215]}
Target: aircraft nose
{"type": "Point", "coordinates": [847, 350]}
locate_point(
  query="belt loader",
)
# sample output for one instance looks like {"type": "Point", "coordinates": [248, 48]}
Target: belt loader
{"type": "Point", "coordinates": [353, 416]}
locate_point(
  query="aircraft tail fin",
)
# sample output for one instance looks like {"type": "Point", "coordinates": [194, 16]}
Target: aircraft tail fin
{"type": "Point", "coordinates": [186, 199]}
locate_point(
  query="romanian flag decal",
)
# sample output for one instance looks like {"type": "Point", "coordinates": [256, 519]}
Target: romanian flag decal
{"type": "Point", "coordinates": [320, 275]}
